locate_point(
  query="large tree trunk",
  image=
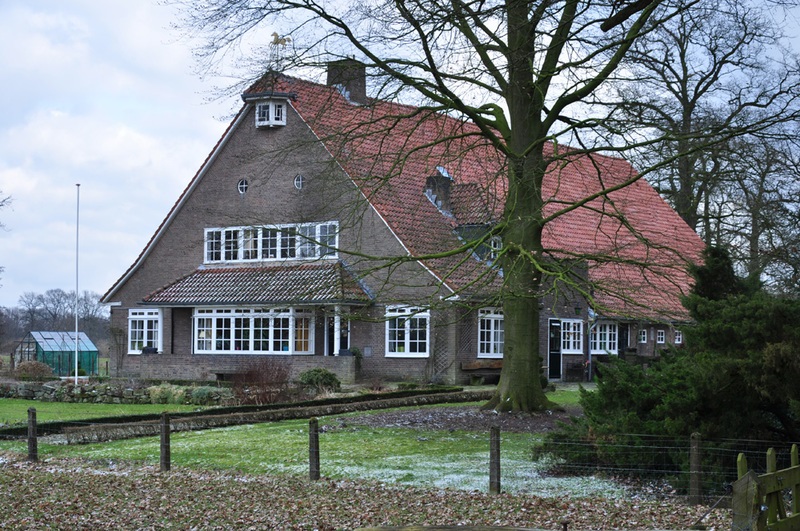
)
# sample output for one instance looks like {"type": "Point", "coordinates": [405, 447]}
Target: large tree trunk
{"type": "Point", "coordinates": [520, 388]}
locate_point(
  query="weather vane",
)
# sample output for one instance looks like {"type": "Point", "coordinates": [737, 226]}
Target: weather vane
{"type": "Point", "coordinates": [277, 46]}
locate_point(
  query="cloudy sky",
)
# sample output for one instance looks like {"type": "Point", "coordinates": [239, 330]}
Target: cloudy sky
{"type": "Point", "coordinates": [103, 94]}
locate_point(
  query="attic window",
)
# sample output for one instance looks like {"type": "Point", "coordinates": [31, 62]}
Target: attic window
{"type": "Point", "coordinates": [299, 180]}
{"type": "Point", "coordinates": [242, 186]}
{"type": "Point", "coordinates": [270, 113]}
{"type": "Point", "coordinates": [495, 246]}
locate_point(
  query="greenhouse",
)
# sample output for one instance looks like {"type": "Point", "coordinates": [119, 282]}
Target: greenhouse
{"type": "Point", "coordinates": [57, 349]}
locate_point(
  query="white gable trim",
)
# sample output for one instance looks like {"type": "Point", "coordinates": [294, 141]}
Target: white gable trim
{"type": "Point", "coordinates": [177, 206]}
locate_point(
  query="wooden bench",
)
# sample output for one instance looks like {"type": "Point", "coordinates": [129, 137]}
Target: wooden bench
{"type": "Point", "coordinates": [482, 371]}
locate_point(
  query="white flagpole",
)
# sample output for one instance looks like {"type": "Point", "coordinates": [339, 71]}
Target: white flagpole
{"type": "Point", "coordinates": [77, 239]}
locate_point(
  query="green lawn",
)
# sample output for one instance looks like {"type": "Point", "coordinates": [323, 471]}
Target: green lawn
{"type": "Point", "coordinates": [15, 411]}
{"type": "Point", "coordinates": [457, 459]}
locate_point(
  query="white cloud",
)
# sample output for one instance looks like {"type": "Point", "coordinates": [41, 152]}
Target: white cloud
{"type": "Point", "coordinates": [97, 93]}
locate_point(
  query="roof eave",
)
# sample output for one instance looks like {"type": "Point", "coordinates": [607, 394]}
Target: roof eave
{"type": "Point", "coordinates": [313, 302]}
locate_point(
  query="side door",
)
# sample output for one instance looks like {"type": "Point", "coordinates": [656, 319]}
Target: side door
{"type": "Point", "coordinates": [554, 350]}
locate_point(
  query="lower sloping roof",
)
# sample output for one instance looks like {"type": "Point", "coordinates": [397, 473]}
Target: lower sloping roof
{"type": "Point", "coordinates": [319, 283]}
{"type": "Point", "coordinates": [63, 341]}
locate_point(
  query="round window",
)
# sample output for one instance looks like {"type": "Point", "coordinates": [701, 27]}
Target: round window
{"type": "Point", "coordinates": [242, 186]}
{"type": "Point", "coordinates": [299, 180]}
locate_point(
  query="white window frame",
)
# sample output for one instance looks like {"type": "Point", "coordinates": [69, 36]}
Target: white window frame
{"type": "Point", "coordinates": [495, 244]}
{"type": "Point", "coordinates": [661, 336]}
{"type": "Point", "coordinates": [303, 241]}
{"type": "Point", "coordinates": [253, 331]}
{"type": "Point", "coordinates": [270, 113]}
{"type": "Point", "coordinates": [213, 245]}
{"type": "Point", "coordinates": [146, 324]}
{"type": "Point", "coordinates": [571, 336]}
{"type": "Point", "coordinates": [491, 333]}
{"type": "Point", "coordinates": [404, 325]}
{"type": "Point", "coordinates": [642, 335]}
{"type": "Point", "coordinates": [678, 337]}
{"type": "Point", "coordinates": [604, 338]}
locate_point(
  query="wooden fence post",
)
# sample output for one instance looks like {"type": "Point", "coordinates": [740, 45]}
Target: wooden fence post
{"type": "Point", "coordinates": [795, 487]}
{"type": "Point", "coordinates": [33, 443]}
{"type": "Point", "coordinates": [741, 465]}
{"type": "Point", "coordinates": [165, 449]}
{"type": "Point", "coordinates": [313, 449]}
{"type": "Point", "coordinates": [695, 471]}
{"type": "Point", "coordinates": [494, 460]}
{"type": "Point", "coordinates": [775, 507]}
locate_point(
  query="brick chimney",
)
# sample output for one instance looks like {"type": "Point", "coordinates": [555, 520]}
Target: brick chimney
{"type": "Point", "coordinates": [350, 77]}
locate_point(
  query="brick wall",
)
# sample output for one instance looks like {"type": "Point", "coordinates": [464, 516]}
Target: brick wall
{"type": "Point", "coordinates": [269, 159]}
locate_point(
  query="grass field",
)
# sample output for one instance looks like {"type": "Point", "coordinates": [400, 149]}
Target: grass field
{"type": "Point", "coordinates": [457, 459]}
{"type": "Point", "coordinates": [15, 411]}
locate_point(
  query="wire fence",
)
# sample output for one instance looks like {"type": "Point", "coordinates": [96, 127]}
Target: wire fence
{"type": "Point", "coordinates": [675, 463]}
{"type": "Point", "coordinates": [694, 470]}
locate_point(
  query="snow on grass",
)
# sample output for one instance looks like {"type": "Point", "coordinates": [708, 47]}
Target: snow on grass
{"type": "Point", "coordinates": [432, 459]}
{"type": "Point", "coordinates": [470, 473]}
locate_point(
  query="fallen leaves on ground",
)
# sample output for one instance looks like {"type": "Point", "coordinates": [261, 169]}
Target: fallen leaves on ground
{"type": "Point", "coordinates": [73, 494]}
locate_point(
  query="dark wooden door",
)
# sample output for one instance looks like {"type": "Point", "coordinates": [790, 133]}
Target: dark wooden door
{"type": "Point", "coordinates": [554, 351]}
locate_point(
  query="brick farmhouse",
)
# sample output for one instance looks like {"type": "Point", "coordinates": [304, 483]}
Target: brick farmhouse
{"type": "Point", "coordinates": [324, 224]}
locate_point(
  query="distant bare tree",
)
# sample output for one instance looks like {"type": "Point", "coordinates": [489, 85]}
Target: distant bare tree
{"type": "Point", "coordinates": [54, 310]}
{"type": "Point", "coordinates": [758, 216]}
{"type": "Point", "coordinates": [4, 202]}
{"type": "Point", "coordinates": [721, 67]}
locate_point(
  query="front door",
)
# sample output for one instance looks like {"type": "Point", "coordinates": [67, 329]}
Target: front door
{"type": "Point", "coordinates": [554, 351]}
{"type": "Point", "coordinates": [622, 339]}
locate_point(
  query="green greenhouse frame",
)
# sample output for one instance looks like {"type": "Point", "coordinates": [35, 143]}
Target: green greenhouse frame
{"type": "Point", "coordinates": [57, 349]}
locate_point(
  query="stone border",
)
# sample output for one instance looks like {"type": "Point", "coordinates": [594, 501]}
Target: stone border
{"type": "Point", "coordinates": [109, 432]}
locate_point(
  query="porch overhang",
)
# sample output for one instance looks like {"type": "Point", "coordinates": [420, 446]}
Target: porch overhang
{"type": "Point", "coordinates": [321, 283]}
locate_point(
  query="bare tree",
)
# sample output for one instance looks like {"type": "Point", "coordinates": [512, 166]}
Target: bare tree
{"type": "Point", "coordinates": [4, 202]}
{"type": "Point", "coordinates": [54, 310]}
{"type": "Point", "coordinates": [525, 73]}
{"type": "Point", "coordinates": [758, 217]}
{"type": "Point", "coordinates": [719, 68]}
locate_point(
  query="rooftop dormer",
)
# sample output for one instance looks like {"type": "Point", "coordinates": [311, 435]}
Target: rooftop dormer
{"type": "Point", "coordinates": [270, 107]}
{"type": "Point", "coordinates": [437, 189]}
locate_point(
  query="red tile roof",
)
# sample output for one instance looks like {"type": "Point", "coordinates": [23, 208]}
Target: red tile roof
{"type": "Point", "coordinates": [319, 283]}
{"type": "Point", "coordinates": [389, 150]}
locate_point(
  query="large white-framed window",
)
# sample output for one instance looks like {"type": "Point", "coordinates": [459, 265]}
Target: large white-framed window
{"type": "Point", "coordinates": [661, 337]}
{"type": "Point", "coordinates": [407, 332]}
{"type": "Point", "coordinates": [643, 335]}
{"type": "Point", "coordinates": [279, 242]}
{"type": "Point", "coordinates": [678, 337]}
{"type": "Point", "coordinates": [270, 113]}
{"type": "Point", "coordinates": [253, 331]}
{"type": "Point", "coordinates": [491, 335]}
{"type": "Point", "coordinates": [571, 336]}
{"type": "Point", "coordinates": [144, 330]}
{"type": "Point", "coordinates": [603, 338]}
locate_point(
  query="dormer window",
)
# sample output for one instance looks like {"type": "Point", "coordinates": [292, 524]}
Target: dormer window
{"type": "Point", "coordinates": [495, 246]}
{"type": "Point", "coordinates": [270, 113]}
